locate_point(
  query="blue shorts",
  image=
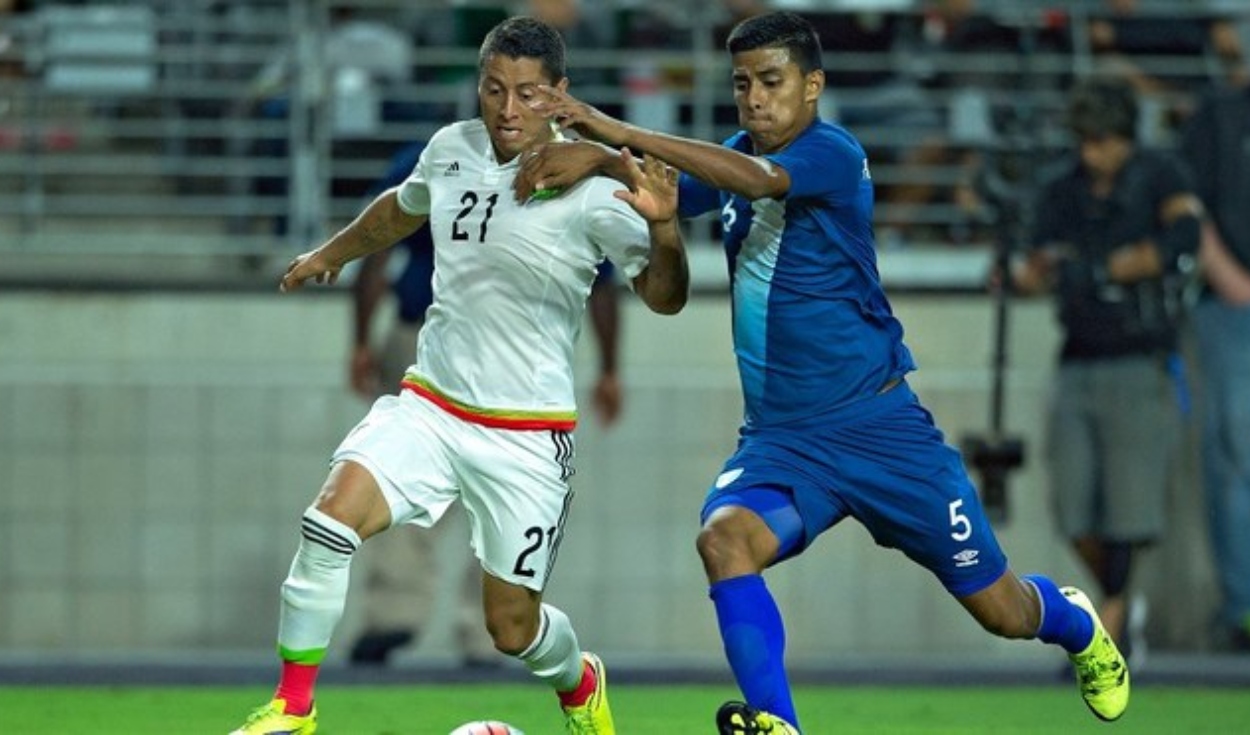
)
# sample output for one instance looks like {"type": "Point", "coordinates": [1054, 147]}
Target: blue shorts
{"type": "Point", "coordinates": [882, 461]}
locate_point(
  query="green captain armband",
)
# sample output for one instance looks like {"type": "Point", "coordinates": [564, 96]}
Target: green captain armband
{"type": "Point", "coordinates": [548, 193]}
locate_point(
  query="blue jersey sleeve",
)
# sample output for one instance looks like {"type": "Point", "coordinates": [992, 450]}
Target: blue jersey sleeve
{"type": "Point", "coordinates": [827, 163]}
{"type": "Point", "coordinates": [695, 197]}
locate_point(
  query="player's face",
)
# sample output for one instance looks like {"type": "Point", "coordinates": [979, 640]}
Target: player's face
{"type": "Point", "coordinates": [505, 90]}
{"type": "Point", "coordinates": [776, 101]}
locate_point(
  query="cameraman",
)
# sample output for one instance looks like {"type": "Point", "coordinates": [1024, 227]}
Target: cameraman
{"type": "Point", "coordinates": [1115, 236]}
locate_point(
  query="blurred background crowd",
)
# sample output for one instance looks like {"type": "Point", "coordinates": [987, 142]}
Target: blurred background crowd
{"type": "Point", "coordinates": [238, 124]}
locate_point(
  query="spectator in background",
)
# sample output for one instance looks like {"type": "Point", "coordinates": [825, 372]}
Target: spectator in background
{"type": "Point", "coordinates": [1163, 56]}
{"type": "Point", "coordinates": [1217, 144]}
{"type": "Point", "coordinates": [366, 58]}
{"type": "Point", "coordinates": [12, 63]}
{"type": "Point", "coordinates": [957, 100]}
{"type": "Point", "coordinates": [12, 67]}
{"type": "Point", "coordinates": [1123, 30]}
{"type": "Point", "coordinates": [570, 17]}
{"type": "Point", "coordinates": [1115, 227]}
{"type": "Point", "coordinates": [1229, 40]}
{"type": "Point", "coordinates": [938, 110]}
{"type": "Point", "coordinates": [736, 11]}
{"type": "Point", "coordinates": [581, 30]}
{"type": "Point", "coordinates": [397, 600]}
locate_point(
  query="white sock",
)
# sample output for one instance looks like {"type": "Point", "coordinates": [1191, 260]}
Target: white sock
{"type": "Point", "coordinates": [554, 656]}
{"type": "Point", "coordinates": [315, 590]}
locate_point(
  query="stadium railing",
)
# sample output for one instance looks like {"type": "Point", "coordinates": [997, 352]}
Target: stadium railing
{"type": "Point", "coordinates": [140, 129]}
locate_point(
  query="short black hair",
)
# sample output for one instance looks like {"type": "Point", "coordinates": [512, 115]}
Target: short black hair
{"type": "Point", "coordinates": [790, 31]}
{"type": "Point", "coordinates": [523, 37]}
{"type": "Point", "coordinates": [1103, 106]}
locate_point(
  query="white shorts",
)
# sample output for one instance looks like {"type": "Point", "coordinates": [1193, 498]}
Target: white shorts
{"type": "Point", "coordinates": [514, 484]}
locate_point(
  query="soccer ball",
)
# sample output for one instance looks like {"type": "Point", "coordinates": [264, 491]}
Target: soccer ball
{"type": "Point", "coordinates": [486, 727]}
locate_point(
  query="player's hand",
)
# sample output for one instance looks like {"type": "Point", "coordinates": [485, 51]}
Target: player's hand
{"type": "Point", "coordinates": [311, 265]}
{"type": "Point", "coordinates": [652, 188]}
{"type": "Point", "coordinates": [558, 165]}
{"type": "Point", "coordinates": [363, 373]}
{"type": "Point", "coordinates": [608, 399]}
{"type": "Point", "coordinates": [571, 113]}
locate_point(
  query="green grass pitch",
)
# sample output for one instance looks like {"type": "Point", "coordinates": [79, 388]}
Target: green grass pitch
{"type": "Point", "coordinates": [639, 710]}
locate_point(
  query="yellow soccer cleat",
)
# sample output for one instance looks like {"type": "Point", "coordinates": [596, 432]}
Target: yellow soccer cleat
{"type": "Point", "coordinates": [269, 719]}
{"type": "Point", "coordinates": [594, 717]}
{"type": "Point", "coordinates": [740, 718]}
{"type": "Point", "coordinates": [1101, 670]}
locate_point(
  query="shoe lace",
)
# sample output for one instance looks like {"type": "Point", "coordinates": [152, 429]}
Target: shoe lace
{"type": "Point", "coordinates": [259, 714]}
{"type": "Point", "coordinates": [579, 721]}
{"type": "Point", "coordinates": [1099, 672]}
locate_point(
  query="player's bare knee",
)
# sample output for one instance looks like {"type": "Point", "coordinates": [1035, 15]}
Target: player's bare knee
{"type": "Point", "coordinates": [512, 625]}
{"type": "Point", "coordinates": [351, 496]}
{"type": "Point", "coordinates": [725, 548]}
{"type": "Point", "coordinates": [510, 633]}
{"type": "Point", "coordinates": [713, 547]}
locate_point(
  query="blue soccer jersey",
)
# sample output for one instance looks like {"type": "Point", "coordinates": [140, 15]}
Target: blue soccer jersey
{"type": "Point", "coordinates": [812, 328]}
{"type": "Point", "coordinates": [829, 423]}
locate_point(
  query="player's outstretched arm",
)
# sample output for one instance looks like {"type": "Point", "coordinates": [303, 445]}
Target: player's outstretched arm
{"type": "Point", "coordinates": [751, 177]}
{"type": "Point", "coordinates": [382, 224]}
{"type": "Point", "coordinates": [664, 285]}
{"type": "Point", "coordinates": [562, 163]}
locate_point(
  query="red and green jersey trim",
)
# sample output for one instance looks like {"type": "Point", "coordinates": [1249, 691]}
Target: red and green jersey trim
{"type": "Point", "coordinates": [494, 418]}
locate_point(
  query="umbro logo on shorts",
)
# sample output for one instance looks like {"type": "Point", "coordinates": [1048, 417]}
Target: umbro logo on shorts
{"type": "Point", "coordinates": [966, 558]}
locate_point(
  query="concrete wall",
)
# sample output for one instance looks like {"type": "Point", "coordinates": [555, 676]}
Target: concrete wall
{"type": "Point", "coordinates": [156, 451]}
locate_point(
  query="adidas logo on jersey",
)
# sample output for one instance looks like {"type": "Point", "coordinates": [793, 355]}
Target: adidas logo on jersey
{"type": "Point", "coordinates": [453, 169]}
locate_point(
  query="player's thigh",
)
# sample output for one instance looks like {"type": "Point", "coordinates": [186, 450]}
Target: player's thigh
{"type": "Point", "coordinates": [1072, 450]}
{"type": "Point", "coordinates": [515, 489]}
{"type": "Point", "coordinates": [912, 492]}
{"type": "Point", "coordinates": [351, 496]}
{"type": "Point", "coordinates": [405, 444]}
{"type": "Point", "coordinates": [1140, 425]}
{"type": "Point", "coordinates": [783, 478]}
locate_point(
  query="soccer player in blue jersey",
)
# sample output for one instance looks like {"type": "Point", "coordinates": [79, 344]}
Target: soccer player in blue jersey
{"type": "Point", "coordinates": [832, 428]}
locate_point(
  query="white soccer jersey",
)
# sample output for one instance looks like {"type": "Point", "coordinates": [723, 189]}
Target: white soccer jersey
{"type": "Point", "coordinates": [510, 281]}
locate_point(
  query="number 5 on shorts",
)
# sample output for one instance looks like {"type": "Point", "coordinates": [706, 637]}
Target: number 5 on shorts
{"type": "Point", "coordinates": [960, 525]}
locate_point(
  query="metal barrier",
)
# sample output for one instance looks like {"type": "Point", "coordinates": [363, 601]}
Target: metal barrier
{"type": "Point", "coordinates": [205, 128]}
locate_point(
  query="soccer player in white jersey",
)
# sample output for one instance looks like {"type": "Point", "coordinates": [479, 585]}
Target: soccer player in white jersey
{"type": "Point", "coordinates": [485, 413]}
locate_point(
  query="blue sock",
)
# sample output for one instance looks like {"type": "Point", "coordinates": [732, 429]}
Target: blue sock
{"type": "Point", "coordinates": [1062, 622]}
{"type": "Point", "coordinates": [755, 642]}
